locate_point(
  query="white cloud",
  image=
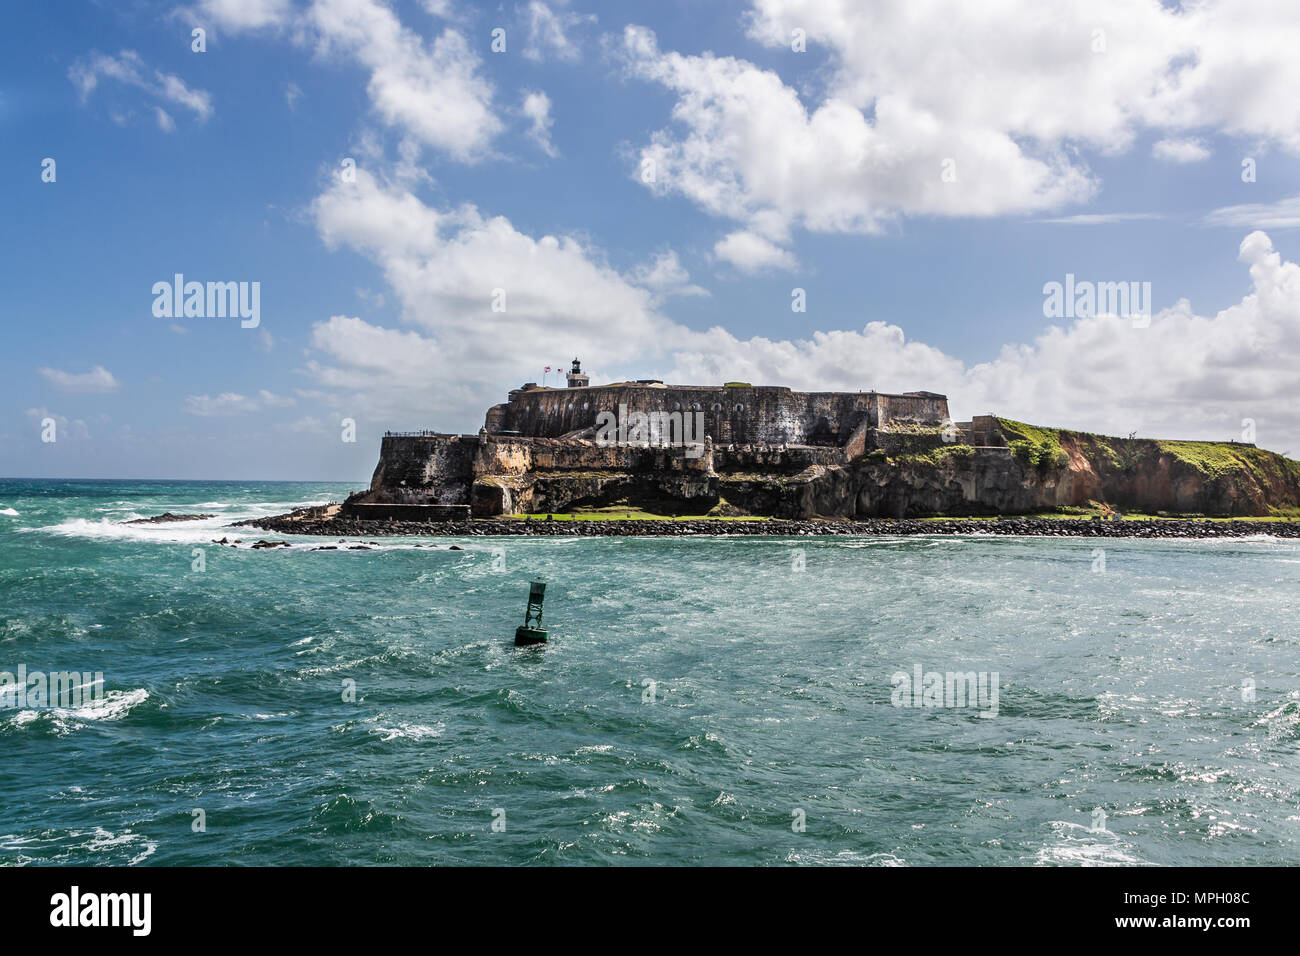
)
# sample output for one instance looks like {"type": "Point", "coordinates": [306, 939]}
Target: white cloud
{"type": "Point", "coordinates": [445, 267]}
{"type": "Point", "coordinates": [751, 253]}
{"type": "Point", "coordinates": [746, 148]}
{"type": "Point", "coordinates": [98, 379]}
{"type": "Point", "coordinates": [1180, 150]}
{"type": "Point", "coordinates": [666, 276]}
{"type": "Point", "coordinates": [129, 69]}
{"type": "Point", "coordinates": [233, 403]}
{"type": "Point", "coordinates": [430, 91]}
{"type": "Point", "coordinates": [1005, 98]}
{"type": "Point", "coordinates": [165, 121]}
{"type": "Point", "coordinates": [537, 108]}
{"type": "Point", "coordinates": [550, 31]}
{"type": "Point", "coordinates": [243, 14]}
{"type": "Point", "coordinates": [1103, 218]}
{"type": "Point", "coordinates": [1283, 214]}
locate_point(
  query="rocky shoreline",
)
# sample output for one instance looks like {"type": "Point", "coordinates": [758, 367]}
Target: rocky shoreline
{"type": "Point", "coordinates": [326, 521]}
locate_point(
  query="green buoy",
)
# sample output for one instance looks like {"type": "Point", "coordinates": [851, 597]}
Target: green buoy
{"type": "Point", "coordinates": [532, 632]}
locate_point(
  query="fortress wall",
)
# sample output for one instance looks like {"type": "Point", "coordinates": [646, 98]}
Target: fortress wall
{"type": "Point", "coordinates": [739, 415]}
{"type": "Point", "coordinates": [503, 458]}
{"type": "Point", "coordinates": [437, 465]}
{"type": "Point", "coordinates": [519, 456]}
{"type": "Point", "coordinates": [495, 419]}
{"type": "Point", "coordinates": [927, 408]}
{"type": "Point", "coordinates": [857, 443]}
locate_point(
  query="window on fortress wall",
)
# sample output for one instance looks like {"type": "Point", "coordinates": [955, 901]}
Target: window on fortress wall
{"type": "Point", "coordinates": [740, 406]}
{"type": "Point", "coordinates": [695, 406]}
{"type": "Point", "coordinates": [677, 406]}
{"type": "Point", "coordinates": [717, 406]}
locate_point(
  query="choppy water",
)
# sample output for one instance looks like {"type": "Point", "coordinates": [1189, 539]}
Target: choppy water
{"type": "Point", "coordinates": [1119, 690]}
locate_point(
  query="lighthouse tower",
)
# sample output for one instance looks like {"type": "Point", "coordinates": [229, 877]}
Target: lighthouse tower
{"type": "Point", "coordinates": [577, 377]}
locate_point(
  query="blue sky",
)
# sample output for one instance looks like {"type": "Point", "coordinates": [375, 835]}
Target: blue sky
{"type": "Point", "coordinates": [776, 169]}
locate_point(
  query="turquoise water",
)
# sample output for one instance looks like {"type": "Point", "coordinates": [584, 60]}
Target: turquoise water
{"type": "Point", "coordinates": [1119, 690]}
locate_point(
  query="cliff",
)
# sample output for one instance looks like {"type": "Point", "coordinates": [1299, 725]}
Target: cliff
{"type": "Point", "coordinates": [1044, 469]}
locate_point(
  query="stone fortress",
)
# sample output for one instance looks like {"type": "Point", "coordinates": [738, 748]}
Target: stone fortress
{"type": "Point", "coordinates": [760, 450]}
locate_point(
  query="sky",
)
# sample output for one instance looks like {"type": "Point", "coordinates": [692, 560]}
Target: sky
{"type": "Point", "coordinates": [436, 200]}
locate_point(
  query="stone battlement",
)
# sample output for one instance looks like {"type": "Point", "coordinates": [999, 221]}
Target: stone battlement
{"type": "Point", "coordinates": [736, 413]}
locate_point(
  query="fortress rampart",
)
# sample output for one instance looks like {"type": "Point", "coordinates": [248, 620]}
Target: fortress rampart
{"type": "Point", "coordinates": [735, 414]}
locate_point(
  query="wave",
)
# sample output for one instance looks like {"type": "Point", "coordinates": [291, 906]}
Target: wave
{"type": "Point", "coordinates": [50, 846]}
{"type": "Point", "coordinates": [114, 705]}
{"type": "Point", "coordinates": [411, 731]}
{"type": "Point", "coordinates": [1078, 845]}
{"type": "Point", "coordinates": [105, 529]}
{"type": "Point", "coordinates": [9, 511]}
{"type": "Point", "coordinates": [210, 530]}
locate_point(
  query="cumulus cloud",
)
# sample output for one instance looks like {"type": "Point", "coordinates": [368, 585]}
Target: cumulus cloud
{"type": "Point", "coordinates": [129, 69]}
{"type": "Point", "coordinates": [746, 148]}
{"type": "Point", "coordinates": [480, 297]}
{"type": "Point", "coordinates": [429, 90]}
{"type": "Point", "coordinates": [98, 379]}
{"type": "Point", "coordinates": [960, 109]}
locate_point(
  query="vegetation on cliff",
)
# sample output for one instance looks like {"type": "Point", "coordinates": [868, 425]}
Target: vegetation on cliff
{"type": "Point", "coordinates": [1222, 476]}
{"type": "Point", "coordinates": [1034, 446]}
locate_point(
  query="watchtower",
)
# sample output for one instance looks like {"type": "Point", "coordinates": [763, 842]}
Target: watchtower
{"type": "Point", "coordinates": [577, 377]}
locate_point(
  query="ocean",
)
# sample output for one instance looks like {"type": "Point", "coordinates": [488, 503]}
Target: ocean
{"type": "Point", "coordinates": [701, 701]}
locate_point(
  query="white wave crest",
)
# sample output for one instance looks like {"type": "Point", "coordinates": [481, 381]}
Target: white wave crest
{"type": "Point", "coordinates": [412, 731]}
{"type": "Point", "coordinates": [114, 705]}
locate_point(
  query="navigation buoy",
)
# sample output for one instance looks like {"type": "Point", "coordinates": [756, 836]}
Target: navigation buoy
{"type": "Point", "coordinates": [531, 632]}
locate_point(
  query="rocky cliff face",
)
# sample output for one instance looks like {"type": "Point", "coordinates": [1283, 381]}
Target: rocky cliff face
{"type": "Point", "coordinates": [1066, 470]}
